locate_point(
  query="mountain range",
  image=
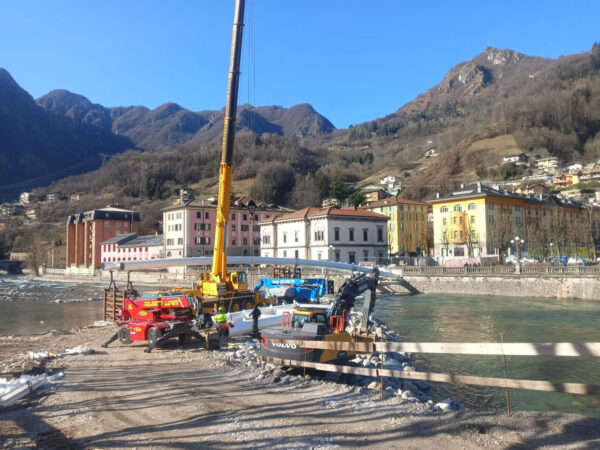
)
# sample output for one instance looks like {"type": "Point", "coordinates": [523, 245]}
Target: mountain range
{"type": "Point", "coordinates": [500, 101]}
{"type": "Point", "coordinates": [63, 133]}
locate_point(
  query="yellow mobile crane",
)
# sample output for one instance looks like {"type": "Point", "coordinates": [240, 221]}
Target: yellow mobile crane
{"type": "Point", "coordinates": [218, 287]}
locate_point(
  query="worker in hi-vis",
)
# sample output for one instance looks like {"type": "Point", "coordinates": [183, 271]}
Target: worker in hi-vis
{"type": "Point", "coordinates": [220, 318]}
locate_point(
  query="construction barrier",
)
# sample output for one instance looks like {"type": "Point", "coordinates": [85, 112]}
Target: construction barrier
{"type": "Point", "coordinates": [549, 386]}
{"type": "Point", "coordinates": [590, 349]}
{"type": "Point", "coordinates": [563, 349]}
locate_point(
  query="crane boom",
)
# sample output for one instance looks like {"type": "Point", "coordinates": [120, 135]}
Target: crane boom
{"type": "Point", "coordinates": [219, 265]}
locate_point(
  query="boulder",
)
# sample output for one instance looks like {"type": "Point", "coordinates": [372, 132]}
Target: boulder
{"type": "Point", "coordinates": [408, 386]}
{"type": "Point", "coordinates": [445, 405]}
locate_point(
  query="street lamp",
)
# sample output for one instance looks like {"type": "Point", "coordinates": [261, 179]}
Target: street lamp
{"type": "Point", "coordinates": [332, 248]}
{"type": "Point", "coordinates": [552, 249]}
{"type": "Point", "coordinates": [518, 242]}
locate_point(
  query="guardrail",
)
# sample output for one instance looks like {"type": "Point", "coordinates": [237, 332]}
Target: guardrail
{"type": "Point", "coordinates": [561, 349]}
{"type": "Point", "coordinates": [525, 269]}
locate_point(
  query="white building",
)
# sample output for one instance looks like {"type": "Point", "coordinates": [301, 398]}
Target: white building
{"type": "Point", "coordinates": [335, 234]}
{"type": "Point", "coordinates": [388, 179]}
{"type": "Point", "coordinates": [131, 247]}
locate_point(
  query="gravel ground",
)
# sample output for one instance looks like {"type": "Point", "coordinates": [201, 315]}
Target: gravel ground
{"type": "Point", "coordinates": [121, 397]}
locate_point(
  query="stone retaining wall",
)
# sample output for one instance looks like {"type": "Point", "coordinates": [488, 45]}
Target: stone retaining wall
{"type": "Point", "coordinates": [587, 288]}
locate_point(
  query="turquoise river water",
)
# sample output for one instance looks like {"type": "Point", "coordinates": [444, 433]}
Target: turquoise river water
{"type": "Point", "coordinates": [34, 307]}
{"type": "Point", "coordinates": [425, 318]}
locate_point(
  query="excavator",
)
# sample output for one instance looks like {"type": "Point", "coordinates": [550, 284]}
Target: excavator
{"type": "Point", "coordinates": [319, 323]}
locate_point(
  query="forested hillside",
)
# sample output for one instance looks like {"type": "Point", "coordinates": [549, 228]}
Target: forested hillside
{"type": "Point", "coordinates": [499, 102]}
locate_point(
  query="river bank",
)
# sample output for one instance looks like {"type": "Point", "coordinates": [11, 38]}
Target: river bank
{"type": "Point", "coordinates": [122, 397]}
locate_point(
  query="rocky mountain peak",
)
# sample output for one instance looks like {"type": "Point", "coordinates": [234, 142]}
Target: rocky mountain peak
{"type": "Point", "coordinates": [501, 57]}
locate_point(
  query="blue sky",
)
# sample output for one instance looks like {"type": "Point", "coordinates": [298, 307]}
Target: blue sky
{"type": "Point", "coordinates": [353, 60]}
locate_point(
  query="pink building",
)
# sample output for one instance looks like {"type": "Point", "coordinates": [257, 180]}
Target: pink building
{"type": "Point", "coordinates": [189, 229]}
{"type": "Point", "coordinates": [131, 247]}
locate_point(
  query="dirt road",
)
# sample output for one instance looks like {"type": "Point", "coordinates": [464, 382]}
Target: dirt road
{"type": "Point", "coordinates": [123, 398]}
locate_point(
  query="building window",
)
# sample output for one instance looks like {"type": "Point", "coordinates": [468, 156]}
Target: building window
{"type": "Point", "coordinates": [460, 220]}
{"type": "Point", "coordinates": [459, 251]}
{"type": "Point", "coordinates": [233, 227]}
{"type": "Point", "coordinates": [457, 208]}
{"type": "Point", "coordinates": [284, 238]}
{"type": "Point", "coordinates": [233, 242]}
{"type": "Point", "coordinates": [266, 239]}
{"type": "Point", "coordinates": [179, 241]}
{"type": "Point", "coordinates": [179, 215]}
{"type": "Point", "coordinates": [444, 221]}
{"type": "Point", "coordinates": [255, 228]}
{"type": "Point", "coordinates": [336, 234]}
{"type": "Point", "coordinates": [351, 234]}
{"type": "Point", "coordinates": [337, 256]}
{"type": "Point", "coordinates": [244, 216]}
{"type": "Point", "coordinates": [443, 209]}
{"type": "Point", "coordinates": [256, 241]}
{"type": "Point", "coordinates": [245, 227]}
{"type": "Point", "coordinates": [319, 235]}
{"type": "Point", "coordinates": [256, 217]}
{"type": "Point", "coordinates": [106, 225]}
{"type": "Point", "coordinates": [472, 219]}
{"type": "Point", "coordinates": [472, 206]}
{"type": "Point", "coordinates": [365, 234]}
{"type": "Point", "coordinates": [352, 258]}
{"type": "Point", "coordinates": [380, 233]}
{"type": "Point", "coordinates": [455, 235]}
{"type": "Point", "coordinates": [206, 215]}
{"type": "Point", "coordinates": [245, 241]}
{"type": "Point", "coordinates": [285, 253]}
{"type": "Point", "coordinates": [296, 236]}
{"type": "Point", "coordinates": [296, 254]}
{"type": "Point", "coordinates": [201, 240]}
{"type": "Point", "coordinates": [232, 216]}
{"type": "Point", "coordinates": [365, 255]}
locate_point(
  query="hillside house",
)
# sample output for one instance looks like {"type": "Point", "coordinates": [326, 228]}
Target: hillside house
{"type": "Point", "coordinates": [515, 158]}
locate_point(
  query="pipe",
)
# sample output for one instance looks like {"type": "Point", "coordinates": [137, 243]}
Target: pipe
{"type": "Point", "coordinates": [237, 260]}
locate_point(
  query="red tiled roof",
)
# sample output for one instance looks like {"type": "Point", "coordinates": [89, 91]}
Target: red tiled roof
{"type": "Point", "coordinates": [331, 211]}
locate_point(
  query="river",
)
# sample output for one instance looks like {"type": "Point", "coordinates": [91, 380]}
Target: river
{"type": "Point", "coordinates": [426, 318]}
{"type": "Point", "coordinates": [35, 307]}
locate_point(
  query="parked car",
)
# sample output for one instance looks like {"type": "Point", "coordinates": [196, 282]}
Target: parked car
{"type": "Point", "coordinates": [527, 259]}
{"type": "Point", "coordinates": [510, 259]}
{"type": "Point", "coordinates": [573, 260]}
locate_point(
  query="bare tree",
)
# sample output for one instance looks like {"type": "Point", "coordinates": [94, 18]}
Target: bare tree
{"type": "Point", "coordinates": [472, 236]}
{"type": "Point", "coordinates": [559, 229]}
{"type": "Point", "coordinates": [37, 253]}
{"type": "Point", "coordinates": [445, 239]}
{"type": "Point", "coordinates": [501, 232]}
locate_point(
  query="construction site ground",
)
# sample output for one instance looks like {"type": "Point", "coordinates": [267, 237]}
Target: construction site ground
{"type": "Point", "coordinates": [121, 397]}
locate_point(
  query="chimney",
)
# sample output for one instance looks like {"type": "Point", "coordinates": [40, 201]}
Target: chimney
{"type": "Point", "coordinates": [479, 187]}
{"type": "Point", "coordinates": [437, 195]}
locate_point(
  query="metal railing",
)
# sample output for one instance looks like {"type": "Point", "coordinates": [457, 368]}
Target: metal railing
{"type": "Point", "coordinates": [526, 269]}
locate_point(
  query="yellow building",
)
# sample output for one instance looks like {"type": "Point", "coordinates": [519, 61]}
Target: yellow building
{"type": "Point", "coordinates": [407, 227]}
{"type": "Point", "coordinates": [479, 221]}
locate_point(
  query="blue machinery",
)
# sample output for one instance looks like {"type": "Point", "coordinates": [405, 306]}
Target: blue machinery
{"type": "Point", "coordinates": [306, 288]}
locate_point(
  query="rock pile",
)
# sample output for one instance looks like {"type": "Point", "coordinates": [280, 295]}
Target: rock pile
{"type": "Point", "coordinates": [399, 389]}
